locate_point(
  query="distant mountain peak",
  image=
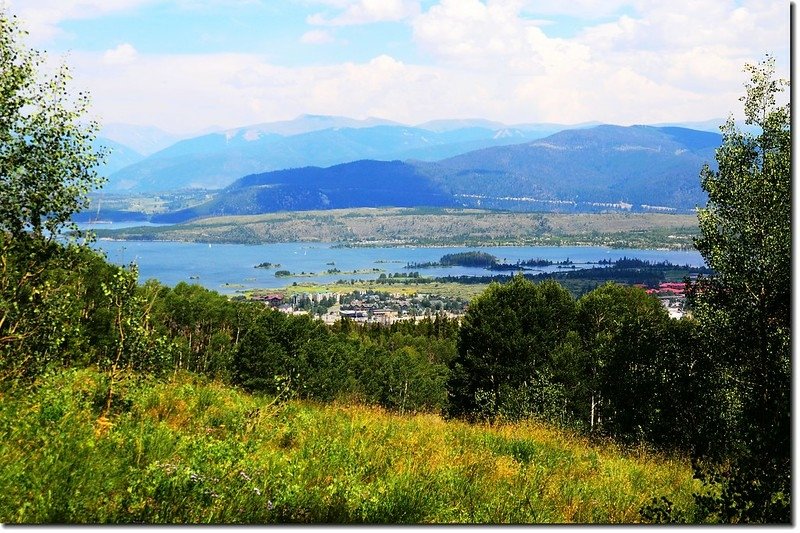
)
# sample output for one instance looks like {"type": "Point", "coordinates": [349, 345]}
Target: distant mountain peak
{"type": "Point", "coordinates": [444, 125]}
{"type": "Point", "coordinates": [507, 133]}
{"type": "Point", "coordinates": [145, 140]}
{"type": "Point", "coordinates": [306, 123]}
{"type": "Point", "coordinates": [216, 160]}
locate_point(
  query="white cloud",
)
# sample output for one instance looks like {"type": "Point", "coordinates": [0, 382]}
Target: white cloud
{"type": "Point", "coordinates": [199, 5]}
{"type": "Point", "coordinates": [695, 45]}
{"type": "Point", "coordinates": [490, 36]}
{"type": "Point", "coordinates": [661, 62]}
{"type": "Point", "coordinates": [366, 12]}
{"type": "Point", "coordinates": [186, 93]}
{"type": "Point", "coordinates": [121, 55]}
{"type": "Point", "coordinates": [42, 17]}
{"type": "Point", "coordinates": [317, 37]}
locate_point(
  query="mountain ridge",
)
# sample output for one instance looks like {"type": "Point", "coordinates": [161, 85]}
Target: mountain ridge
{"type": "Point", "coordinates": [217, 159]}
{"type": "Point", "coordinates": [574, 170]}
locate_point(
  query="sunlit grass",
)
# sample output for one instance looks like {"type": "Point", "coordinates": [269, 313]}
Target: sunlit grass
{"type": "Point", "coordinates": [449, 290]}
{"type": "Point", "coordinates": [194, 451]}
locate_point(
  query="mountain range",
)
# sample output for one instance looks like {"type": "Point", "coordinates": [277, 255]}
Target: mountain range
{"type": "Point", "coordinates": [145, 140]}
{"type": "Point", "coordinates": [215, 160]}
{"type": "Point", "coordinates": [118, 155]}
{"type": "Point", "coordinates": [636, 167]}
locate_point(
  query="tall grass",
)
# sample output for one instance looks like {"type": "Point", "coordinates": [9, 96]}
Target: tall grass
{"type": "Point", "coordinates": [194, 451]}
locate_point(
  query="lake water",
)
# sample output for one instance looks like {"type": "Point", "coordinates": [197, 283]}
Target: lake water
{"type": "Point", "coordinates": [230, 267]}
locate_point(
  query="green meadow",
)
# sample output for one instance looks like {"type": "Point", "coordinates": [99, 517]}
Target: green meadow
{"type": "Point", "coordinates": [192, 450]}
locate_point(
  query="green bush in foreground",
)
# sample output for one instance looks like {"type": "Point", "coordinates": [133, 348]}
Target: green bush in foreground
{"type": "Point", "coordinates": [194, 451]}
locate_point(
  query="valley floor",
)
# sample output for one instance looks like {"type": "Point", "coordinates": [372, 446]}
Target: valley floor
{"type": "Point", "coordinates": [431, 227]}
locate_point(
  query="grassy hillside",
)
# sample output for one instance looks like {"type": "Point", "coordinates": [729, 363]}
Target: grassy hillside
{"type": "Point", "coordinates": [421, 227]}
{"type": "Point", "coordinates": [194, 451]}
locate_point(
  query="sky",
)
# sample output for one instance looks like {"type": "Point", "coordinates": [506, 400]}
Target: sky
{"type": "Point", "coordinates": [193, 65]}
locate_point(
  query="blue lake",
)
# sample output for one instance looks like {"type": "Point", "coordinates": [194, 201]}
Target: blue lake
{"type": "Point", "coordinates": [230, 267]}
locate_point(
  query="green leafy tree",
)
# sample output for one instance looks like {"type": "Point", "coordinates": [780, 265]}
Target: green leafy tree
{"type": "Point", "coordinates": [47, 161]}
{"type": "Point", "coordinates": [207, 324]}
{"type": "Point", "coordinates": [745, 308]}
{"type": "Point", "coordinates": [60, 303]}
{"type": "Point", "coordinates": [260, 361]}
{"type": "Point", "coordinates": [507, 341]}
{"type": "Point", "coordinates": [329, 369]}
{"type": "Point", "coordinates": [45, 299]}
{"type": "Point", "coordinates": [270, 355]}
{"type": "Point", "coordinates": [619, 327]}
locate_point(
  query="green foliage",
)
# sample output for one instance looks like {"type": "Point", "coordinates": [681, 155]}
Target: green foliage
{"type": "Point", "coordinates": [612, 363]}
{"type": "Point", "coordinates": [47, 161]}
{"type": "Point", "coordinates": [474, 259]}
{"type": "Point", "coordinates": [619, 329]}
{"type": "Point", "coordinates": [269, 354]}
{"type": "Point", "coordinates": [507, 337]}
{"type": "Point", "coordinates": [745, 308]}
{"type": "Point", "coordinates": [135, 345]}
{"type": "Point", "coordinates": [206, 325]}
{"type": "Point", "coordinates": [36, 305]}
{"type": "Point", "coordinates": [301, 357]}
{"type": "Point", "coordinates": [64, 305]}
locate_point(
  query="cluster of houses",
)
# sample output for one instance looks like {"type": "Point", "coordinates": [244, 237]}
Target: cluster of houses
{"type": "Point", "coordinates": [364, 306]}
{"type": "Point", "coordinates": [388, 308]}
{"type": "Point", "coordinates": [672, 297]}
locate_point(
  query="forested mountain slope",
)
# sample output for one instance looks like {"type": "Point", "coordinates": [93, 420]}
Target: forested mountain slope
{"type": "Point", "coordinates": [217, 159]}
{"type": "Point", "coordinates": [574, 170]}
{"type": "Point", "coordinates": [636, 165]}
{"type": "Point", "coordinates": [358, 184]}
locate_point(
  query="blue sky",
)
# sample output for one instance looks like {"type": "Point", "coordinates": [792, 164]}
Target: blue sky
{"type": "Point", "coordinates": [188, 65]}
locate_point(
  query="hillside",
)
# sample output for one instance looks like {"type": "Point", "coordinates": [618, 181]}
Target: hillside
{"type": "Point", "coordinates": [639, 165]}
{"type": "Point", "coordinates": [217, 159]}
{"type": "Point", "coordinates": [592, 169]}
{"type": "Point", "coordinates": [358, 184]}
{"type": "Point", "coordinates": [192, 451]}
{"type": "Point", "coordinates": [118, 156]}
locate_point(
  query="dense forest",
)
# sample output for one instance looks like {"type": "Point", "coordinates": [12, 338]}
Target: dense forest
{"type": "Point", "coordinates": [610, 364]}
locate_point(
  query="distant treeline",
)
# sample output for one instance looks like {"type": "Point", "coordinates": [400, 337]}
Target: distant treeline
{"type": "Point", "coordinates": [625, 270]}
{"type": "Point", "coordinates": [466, 259]}
{"type": "Point", "coordinates": [485, 260]}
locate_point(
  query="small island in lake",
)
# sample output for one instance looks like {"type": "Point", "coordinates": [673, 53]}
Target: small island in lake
{"type": "Point", "coordinates": [478, 260]}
